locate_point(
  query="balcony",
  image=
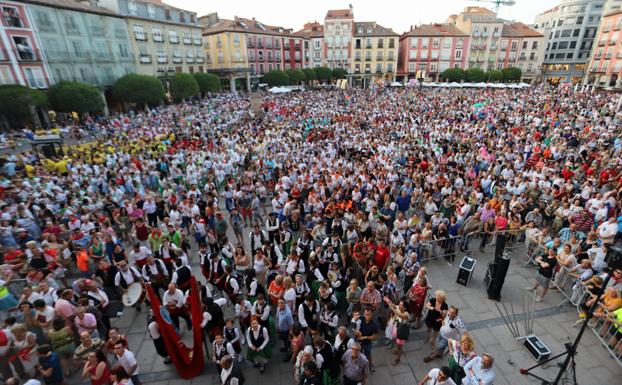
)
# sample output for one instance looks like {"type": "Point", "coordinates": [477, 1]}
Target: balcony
{"type": "Point", "coordinates": [140, 36]}
{"type": "Point", "coordinates": [522, 58]}
{"type": "Point", "coordinates": [379, 58]}
{"type": "Point", "coordinates": [250, 44]}
{"type": "Point", "coordinates": [297, 47]}
{"type": "Point", "coordinates": [260, 45]}
{"type": "Point", "coordinates": [606, 29]}
{"type": "Point", "coordinates": [493, 47]}
{"type": "Point", "coordinates": [513, 49]}
{"type": "Point", "coordinates": [158, 38]}
{"type": "Point", "coordinates": [198, 41]}
{"type": "Point", "coordinates": [608, 56]}
{"type": "Point", "coordinates": [173, 39]}
{"type": "Point", "coordinates": [380, 45]}
{"type": "Point", "coordinates": [368, 46]}
{"type": "Point", "coordinates": [187, 41]}
{"type": "Point", "coordinates": [367, 71]}
{"type": "Point", "coordinates": [200, 60]}
{"type": "Point", "coordinates": [496, 34]}
{"type": "Point", "coordinates": [378, 70]}
{"type": "Point", "coordinates": [162, 59]}
{"type": "Point", "coordinates": [297, 60]}
{"type": "Point", "coordinates": [619, 55]}
{"type": "Point", "coordinates": [368, 58]}
{"type": "Point", "coordinates": [601, 43]}
{"type": "Point", "coordinates": [598, 56]}
{"type": "Point", "coordinates": [357, 70]}
{"type": "Point", "coordinates": [189, 59]}
{"type": "Point", "coordinates": [144, 58]}
{"type": "Point", "coordinates": [484, 34]}
{"type": "Point", "coordinates": [476, 34]}
{"type": "Point", "coordinates": [612, 42]}
{"type": "Point", "coordinates": [176, 59]}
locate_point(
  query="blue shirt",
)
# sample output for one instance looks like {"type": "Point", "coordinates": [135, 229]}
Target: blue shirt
{"type": "Point", "coordinates": [52, 362]}
{"type": "Point", "coordinates": [480, 375]}
{"type": "Point", "coordinates": [284, 319]}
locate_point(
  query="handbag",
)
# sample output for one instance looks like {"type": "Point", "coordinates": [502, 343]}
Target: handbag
{"type": "Point", "coordinates": [403, 331]}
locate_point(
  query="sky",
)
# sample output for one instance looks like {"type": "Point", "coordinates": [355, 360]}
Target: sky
{"type": "Point", "coordinates": [396, 14]}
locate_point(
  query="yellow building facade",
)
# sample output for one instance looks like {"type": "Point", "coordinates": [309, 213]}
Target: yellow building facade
{"type": "Point", "coordinates": [373, 54]}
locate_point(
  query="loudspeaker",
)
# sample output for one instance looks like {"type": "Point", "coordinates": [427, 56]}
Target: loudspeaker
{"type": "Point", "coordinates": [500, 245]}
{"type": "Point", "coordinates": [614, 257]}
{"type": "Point", "coordinates": [466, 270]}
{"type": "Point", "coordinates": [495, 277]}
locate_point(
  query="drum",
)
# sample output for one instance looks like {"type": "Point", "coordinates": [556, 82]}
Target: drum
{"type": "Point", "coordinates": [134, 294]}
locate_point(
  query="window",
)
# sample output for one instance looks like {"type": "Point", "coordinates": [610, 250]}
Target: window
{"type": "Point", "coordinates": [278, 56]}
{"type": "Point", "coordinates": [380, 43]}
{"type": "Point", "coordinates": [139, 33]}
{"type": "Point", "coordinates": [424, 43]}
{"type": "Point", "coordinates": [378, 67]}
{"type": "Point", "coordinates": [436, 43]}
{"type": "Point", "coordinates": [11, 17]}
{"type": "Point", "coordinates": [157, 34]}
{"type": "Point", "coordinates": [368, 55]}
{"type": "Point", "coordinates": [186, 38]}
{"type": "Point", "coordinates": [357, 56]}
{"type": "Point", "coordinates": [459, 43]}
{"type": "Point", "coordinates": [563, 45]}
{"type": "Point", "coordinates": [524, 44]}
{"type": "Point", "coordinates": [368, 43]}
{"type": "Point", "coordinates": [446, 43]}
{"type": "Point", "coordinates": [261, 68]}
{"type": "Point", "coordinates": [236, 40]}
{"type": "Point", "coordinates": [197, 38]}
{"type": "Point", "coordinates": [44, 22]}
{"type": "Point", "coordinates": [70, 24]}
{"type": "Point", "coordinates": [260, 55]}
{"type": "Point", "coordinates": [458, 55]}
{"type": "Point", "coordinates": [251, 55]}
{"type": "Point", "coordinates": [132, 8]}
{"type": "Point", "coordinates": [412, 55]}
{"type": "Point", "coordinates": [35, 77]}
{"type": "Point", "coordinates": [412, 67]}
{"type": "Point", "coordinates": [161, 56]}
{"type": "Point", "coordinates": [413, 42]}
{"type": "Point", "coordinates": [151, 11]}
{"type": "Point", "coordinates": [173, 38]}
{"type": "Point", "coordinates": [24, 48]}
{"type": "Point", "coordinates": [123, 51]}
{"type": "Point", "coordinates": [534, 45]}
{"type": "Point", "coordinates": [573, 44]}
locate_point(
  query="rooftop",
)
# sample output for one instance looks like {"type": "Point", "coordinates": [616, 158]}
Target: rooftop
{"type": "Point", "coordinates": [81, 6]}
{"type": "Point", "coordinates": [340, 14]}
{"type": "Point", "coordinates": [240, 24]}
{"type": "Point", "coordinates": [519, 30]}
{"type": "Point", "coordinates": [370, 28]}
{"type": "Point", "coordinates": [311, 30]}
{"type": "Point", "coordinates": [435, 30]}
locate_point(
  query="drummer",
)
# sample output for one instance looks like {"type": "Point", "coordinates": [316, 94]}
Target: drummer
{"type": "Point", "coordinates": [155, 272]}
{"type": "Point", "coordinates": [173, 299]}
{"type": "Point", "coordinates": [126, 276]}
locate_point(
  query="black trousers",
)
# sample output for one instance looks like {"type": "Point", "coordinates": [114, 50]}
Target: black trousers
{"type": "Point", "coordinates": [175, 318]}
{"type": "Point", "coordinates": [347, 381]}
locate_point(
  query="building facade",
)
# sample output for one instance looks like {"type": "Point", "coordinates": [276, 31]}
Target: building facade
{"type": "Point", "coordinates": [484, 29]}
{"type": "Point", "coordinates": [21, 59]}
{"type": "Point", "coordinates": [374, 54]}
{"type": "Point", "coordinates": [521, 47]}
{"type": "Point", "coordinates": [338, 31]}
{"type": "Point", "coordinates": [164, 39]}
{"type": "Point", "coordinates": [313, 35]}
{"type": "Point", "coordinates": [295, 51]}
{"type": "Point", "coordinates": [570, 29]}
{"type": "Point", "coordinates": [431, 48]}
{"type": "Point", "coordinates": [80, 42]}
{"type": "Point", "coordinates": [605, 66]}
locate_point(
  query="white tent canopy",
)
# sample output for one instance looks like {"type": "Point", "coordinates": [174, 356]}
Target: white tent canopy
{"type": "Point", "coordinates": [396, 84]}
{"type": "Point", "coordinates": [279, 90]}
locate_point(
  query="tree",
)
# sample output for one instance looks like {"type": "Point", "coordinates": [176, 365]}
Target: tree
{"type": "Point", "coordinates": [276, 78]}
{"type": "Point", "coordinates": [511, 74]}
{"type": "Point", "coordinates": [310, 74]}
{"type": "Point", "coordinates": [183, 86]}
{"type": "Point", "coordinates": [296, 76]}
{"type": "Point", "coordinates": [494, 76]}
{"type": "Point", "coordinates": [76, 97]}
{"type": "Point", "coordinates": [339, 73]}
{"type": "Point", "coordinates": [453, 75]}
{"type": "Point", "coordinates": [474, 75]}
{"type": "Point", "coordinates": [323, 73]}
{"type": "Point", "coordinates": [139, 89]}
{"type": "Point", "coordinates": [16, 102]}
{"type": "Point", "coordinates": [207, 82]}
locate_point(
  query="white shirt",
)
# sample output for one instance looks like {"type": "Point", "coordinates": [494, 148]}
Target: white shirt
{"type": "Point", "coordinates": [176, 299]}
{"type": "Point", "coordinates": [127, 360]}
{"type": "Point", "coordinates": [433, 374]}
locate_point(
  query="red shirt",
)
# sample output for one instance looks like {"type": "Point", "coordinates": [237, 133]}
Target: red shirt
{"type": "Point", "coordinates": [381, 257]}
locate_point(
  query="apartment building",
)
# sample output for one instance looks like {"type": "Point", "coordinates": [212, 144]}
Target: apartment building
{"type": "Point", "coordinates": [431, 48]}
{"type": "Point", "coordinates": [570, 29]}
{"type": "Point", "coordinates": [80, 41]}
{"type": "Point", "coordinates": [521, 47]}
{"type": "Point", "coordinates": [164, 39]}
{"type": "Point", "coordinates": [374, 54]}
{"type": "Point", "coordinates": [605, 65]}
{"type": "Point", "coordinates": [21, 59]}
{"type": "Point", "coordinates": [313, 33]}
{"type": "Point", "coordinates": [338, 32]}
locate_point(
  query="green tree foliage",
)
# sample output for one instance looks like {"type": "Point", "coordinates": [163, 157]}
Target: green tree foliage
{"type": "Point", "coordinates": [494, 76]}
{"type": "Point", "coordinates": [183, 86]}
{"type": "Point", "coordinates": [16, 101]}
{"type": "Point", "coordinates": [296, 76]}
{"type": "Point", "coordinates": [323, 73]}
{"type": "Point", "coordinates": [474, 75]}
{"type": "Point", "coordinates": [76, 97]}
{"type": "Point", "coordinates": [276, 78]}
{"type": "Point", "coordinates": [207, 82]}
{"type": "Point", "coordinates": [139, 89]}
{"type": "Point", "coordinates": [310, 74]}
{"type": "Point", "coordinates": [453, 75]}
{"type": "Point", "coordinates": [511, 74]}
{"type": "Point", "coordinates": [339, 73]}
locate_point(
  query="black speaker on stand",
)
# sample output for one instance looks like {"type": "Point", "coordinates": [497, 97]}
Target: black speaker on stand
{"type": "Point", "coordinates": [497, 270]}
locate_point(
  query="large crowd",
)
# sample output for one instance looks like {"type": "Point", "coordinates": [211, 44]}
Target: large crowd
{"type": "Point", "coordinates": [310, 221]}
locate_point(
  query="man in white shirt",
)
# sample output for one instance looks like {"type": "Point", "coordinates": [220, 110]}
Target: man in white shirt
{"type": "Point", "coordinates": [173, 299]}
{"type": "Point", "coordinates": [127, 359]}
{"type": "Point", "coordinates": [139, 255]}
{"type": "Point", "coordinates": [230, 373]}
{"type": "Point", "coordinates": [438, 376]}
{"type": "Point", "coordinates": [608, 230]}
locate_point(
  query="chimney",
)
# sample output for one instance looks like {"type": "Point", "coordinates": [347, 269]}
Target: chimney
{"type": "Point", "coordinates": [411, 27]}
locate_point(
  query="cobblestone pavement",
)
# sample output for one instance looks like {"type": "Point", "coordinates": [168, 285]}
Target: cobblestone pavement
{"type": "Point", "coordinates": [552, 323]}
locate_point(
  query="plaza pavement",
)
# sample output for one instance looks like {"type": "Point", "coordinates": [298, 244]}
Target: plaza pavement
{"type": "Point", "coordinates": [552, 323]}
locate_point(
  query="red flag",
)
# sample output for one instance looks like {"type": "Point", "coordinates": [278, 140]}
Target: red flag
{"type": "Point", "coordinates": [187, 361]}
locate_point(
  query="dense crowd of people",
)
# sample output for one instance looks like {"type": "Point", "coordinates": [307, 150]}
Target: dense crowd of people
{"type": "Point", "coordinates": [309, 221]}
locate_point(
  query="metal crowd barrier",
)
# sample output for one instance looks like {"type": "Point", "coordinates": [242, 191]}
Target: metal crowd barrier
{"type": "Point", "coordinates": [609, 332]}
